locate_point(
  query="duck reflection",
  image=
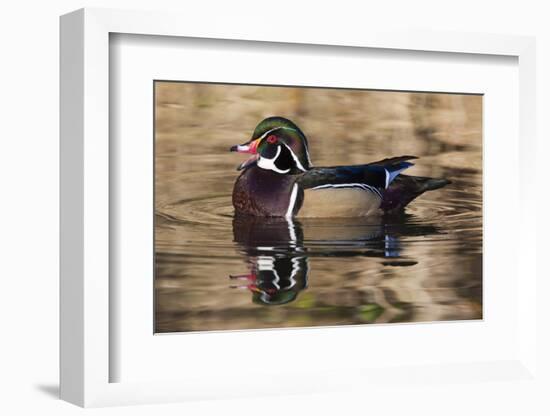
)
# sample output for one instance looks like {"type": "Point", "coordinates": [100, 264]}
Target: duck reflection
{"type": "Point", "coordinates": [276, 257]}
{"type": "Point", "coordinates": [277, 250]}
{"type": "Point", "coordinates": [275, 280]}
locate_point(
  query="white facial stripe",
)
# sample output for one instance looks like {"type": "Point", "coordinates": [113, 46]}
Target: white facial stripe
{"type": "Point", "coordinates": [269, 164]}
{"type": "Point", "coordinates": [307, 150]}
{"type": "Point", "coordinates": [263, 136]}
{"type": "Point", "coordinates": [293, 155]}
{"type": "Point", "coordinates": [308, 158]}
{"type": "Point", "coordinates": [298, 164]}
{"type": "Point", "coordinates": [292, 202]}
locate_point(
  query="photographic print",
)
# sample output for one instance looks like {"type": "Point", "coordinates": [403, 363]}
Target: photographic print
{"type": "Point", "coordinates": [281, 207]}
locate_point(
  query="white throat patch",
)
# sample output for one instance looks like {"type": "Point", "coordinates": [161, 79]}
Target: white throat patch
{"type": "Point", "coordinates": [296, 160]}
{"type": "Point", "coordinates": [269, 164]}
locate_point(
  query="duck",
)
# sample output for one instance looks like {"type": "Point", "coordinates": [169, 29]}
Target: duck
{"type": "Point", "coordinates": [279, 180]}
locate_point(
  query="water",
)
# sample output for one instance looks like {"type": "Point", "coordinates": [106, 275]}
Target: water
{"type": "Point", "coordinates": [215, 271]}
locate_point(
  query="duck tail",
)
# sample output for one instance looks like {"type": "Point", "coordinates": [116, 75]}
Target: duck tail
{"type": "Point", "coordinates": [431, 184]}
{"type": "Point", "coordinates": [394, 170]}
{"type": "Point", "coordinates": [392, 167]}
{"type": "Point", "coordinates": [403, 189]}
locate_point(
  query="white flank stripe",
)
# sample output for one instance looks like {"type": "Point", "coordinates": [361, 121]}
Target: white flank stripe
{"type": "Point", "coordinates": [363, 186]}
{"type": "Point", "coordinates": [292, 202]}
{"type": "Point", "coordinates": [307, 151]}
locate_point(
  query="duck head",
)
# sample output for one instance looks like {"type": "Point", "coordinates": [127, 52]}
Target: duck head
{"type": "Point", "coordinates": [277, 144]}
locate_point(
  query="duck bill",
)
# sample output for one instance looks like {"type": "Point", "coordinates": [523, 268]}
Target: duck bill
{"type": "Point", "coordinates": [251, 148]}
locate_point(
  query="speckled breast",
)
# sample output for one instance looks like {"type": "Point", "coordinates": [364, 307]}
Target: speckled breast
{"type": "Point", "coordinates": [262, 192]}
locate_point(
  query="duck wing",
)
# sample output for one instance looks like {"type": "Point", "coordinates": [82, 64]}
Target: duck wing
{"type": "Point", "coordinates": [377, 175]}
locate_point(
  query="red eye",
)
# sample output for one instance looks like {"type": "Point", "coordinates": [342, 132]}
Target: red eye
{"type": "Point", "coordinates": [272, 139]}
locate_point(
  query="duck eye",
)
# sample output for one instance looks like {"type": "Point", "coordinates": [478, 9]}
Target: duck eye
{"type": "Point", "coordinates": [272, 139]}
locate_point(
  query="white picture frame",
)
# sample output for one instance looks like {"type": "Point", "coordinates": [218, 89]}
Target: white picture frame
{"type": "Point", "coordinates": [86, 265]}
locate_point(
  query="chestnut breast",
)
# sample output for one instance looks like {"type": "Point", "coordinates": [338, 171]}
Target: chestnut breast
{"type": "Point", "coordinates": [263, 192]}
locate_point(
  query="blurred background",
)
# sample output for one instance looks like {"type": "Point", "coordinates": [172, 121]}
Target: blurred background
{"type": "Point", "coordinates": [213, 271]}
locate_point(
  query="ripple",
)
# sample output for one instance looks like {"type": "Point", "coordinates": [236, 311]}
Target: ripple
{"type": "Point", "coordinates": [451, 221]}
{"type": "Point", "coordinates": [212, 211]}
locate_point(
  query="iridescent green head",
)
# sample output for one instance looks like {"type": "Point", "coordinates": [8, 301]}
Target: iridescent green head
{"type": "Point", "coordinates": [279, 145]}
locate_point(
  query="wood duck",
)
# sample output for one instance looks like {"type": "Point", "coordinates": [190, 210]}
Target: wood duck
{"type": "Point", "coordinates": [279, 180]}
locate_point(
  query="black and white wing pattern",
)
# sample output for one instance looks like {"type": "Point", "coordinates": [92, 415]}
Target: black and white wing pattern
{"type": "Point", "coordinates": [373, 177]}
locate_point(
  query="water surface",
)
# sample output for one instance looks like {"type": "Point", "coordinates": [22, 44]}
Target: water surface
{"type": "Point", "coordinates": [215, 271]}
